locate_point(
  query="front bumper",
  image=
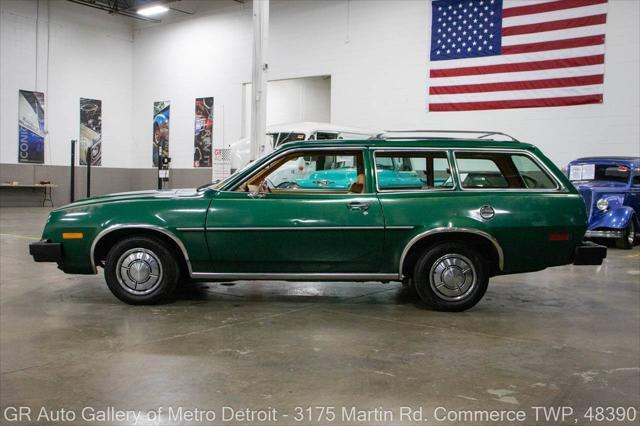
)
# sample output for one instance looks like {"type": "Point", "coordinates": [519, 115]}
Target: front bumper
{"type": "Point", "coordinates": [603, 234]}
{"type": "Point", "coordinates": [588, 253]}
{"type": "Point", "coordinates": [45, 251]}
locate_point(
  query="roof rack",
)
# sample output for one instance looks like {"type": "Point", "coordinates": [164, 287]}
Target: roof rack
{"type": "Point", "coordinates": [482, 134]}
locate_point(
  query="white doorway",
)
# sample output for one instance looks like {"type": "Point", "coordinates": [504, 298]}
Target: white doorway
{"type": "Point", "coordinates": [292, 100]}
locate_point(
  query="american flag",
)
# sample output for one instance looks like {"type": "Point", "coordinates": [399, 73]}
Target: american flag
{"type": "Point", "coordinates": [495, 54]}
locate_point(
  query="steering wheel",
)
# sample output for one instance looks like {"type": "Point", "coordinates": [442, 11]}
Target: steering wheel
{"type": "Point", "coordinates": [288, 185]}
{"type": "Point", "coordinates": [529, 181]}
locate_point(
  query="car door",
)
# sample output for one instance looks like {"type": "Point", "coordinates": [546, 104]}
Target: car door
{"type": "Point", "coordinates": [325, 219]}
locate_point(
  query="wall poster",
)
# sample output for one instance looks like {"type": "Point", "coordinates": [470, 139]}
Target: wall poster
{"type": "Point", "coordinates": [91, 131]}
{"type": "Point", "coordinates": [161, 118]}
{"type": "Point", "coordinates": [30, 127]}
{"type": "Point", "coordinates": [203, 132]}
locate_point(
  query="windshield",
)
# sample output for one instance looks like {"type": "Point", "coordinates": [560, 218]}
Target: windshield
{"type": "Point", "coordinates": [599, 172]}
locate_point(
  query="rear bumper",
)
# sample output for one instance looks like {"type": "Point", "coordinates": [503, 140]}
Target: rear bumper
{"type": "Point", "coordinates": [45, 251]}
{"type": "Point", "coordinates": [603, 234]}
{"type": "Point", "coordinates": [588, 253]}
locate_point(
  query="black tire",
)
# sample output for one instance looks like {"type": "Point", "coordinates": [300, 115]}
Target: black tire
{"type": "Point", "coordinates": [628, 236]}
{"type": "Point", "coordinates": [460, 296]}
{"type": "Point", "coordinates": [155, 257]}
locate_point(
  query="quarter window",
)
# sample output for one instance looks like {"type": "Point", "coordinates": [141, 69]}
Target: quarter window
{"type": "Point", "coordinates": [479, 170]}
{"type": "Point", "coordinates": [413, 170]}
{"type": "Point", "coordinates": [481, 173]}
{"type": "Point", "coordinates": [533, 176]}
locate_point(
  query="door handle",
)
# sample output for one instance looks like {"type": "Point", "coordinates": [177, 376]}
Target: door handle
{"type": "Point", "coordinates": [363, 207]}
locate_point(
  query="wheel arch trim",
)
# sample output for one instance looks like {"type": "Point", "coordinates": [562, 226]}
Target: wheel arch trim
{"type": "Point", "coordinates": [145, 226]}
{"type": "Point", "coordinates": [435, 231]}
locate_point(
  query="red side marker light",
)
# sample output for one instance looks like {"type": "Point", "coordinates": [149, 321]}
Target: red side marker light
{"type": "Point", "coordinates": [559, 237]}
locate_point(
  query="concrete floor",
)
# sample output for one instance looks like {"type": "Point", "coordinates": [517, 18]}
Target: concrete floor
{"type": "Point", "coordinates": [567, 336]}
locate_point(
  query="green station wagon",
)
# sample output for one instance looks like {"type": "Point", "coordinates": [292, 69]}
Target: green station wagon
{"type": "Point", "coordinates": [481, 208]}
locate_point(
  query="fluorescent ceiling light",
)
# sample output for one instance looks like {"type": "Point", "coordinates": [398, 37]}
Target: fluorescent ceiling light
{"type": "Point", "coordinates": [152, 10]}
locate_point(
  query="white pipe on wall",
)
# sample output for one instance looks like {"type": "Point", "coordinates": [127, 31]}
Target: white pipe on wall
{"type": "Point", "coordinates": [259, 77]}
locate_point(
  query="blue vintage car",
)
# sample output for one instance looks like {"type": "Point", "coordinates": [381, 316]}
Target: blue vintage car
{"type": "Point", "coordinates": [610, 187]}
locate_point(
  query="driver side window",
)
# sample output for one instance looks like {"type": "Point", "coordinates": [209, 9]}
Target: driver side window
{"type": "Point", "coordinates": [313, 171]}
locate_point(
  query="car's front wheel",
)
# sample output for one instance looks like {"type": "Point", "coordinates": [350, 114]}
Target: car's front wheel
{"type": "Point", "coordinates": [141, 271]}
{"type": "Point", "coordinates": [628, 236]}
{"type": "Point", "coordinates": [451, 277]}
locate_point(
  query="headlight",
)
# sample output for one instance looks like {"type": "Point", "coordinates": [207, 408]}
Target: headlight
{"type": "Point", "coordinates": [602, 204]}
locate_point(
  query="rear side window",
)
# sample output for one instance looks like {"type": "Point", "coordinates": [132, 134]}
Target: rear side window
{"type": "Point", "coordinates": [534, 177]}
{"type": "Point", "coordinates": [412, 170]}
{"type": "Point", "coordinates": [480, 170]}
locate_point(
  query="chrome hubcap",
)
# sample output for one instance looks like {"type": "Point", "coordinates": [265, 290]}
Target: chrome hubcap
{"type": "Point", "coordinates": [139, 271]}
{"type": "Point", "coordinates": [452, 277]}
{"type": "Point", "coordinates": [632, 233]}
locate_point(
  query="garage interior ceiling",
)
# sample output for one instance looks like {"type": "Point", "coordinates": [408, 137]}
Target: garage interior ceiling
{"type": "Point", "coordinates": [129, 7]}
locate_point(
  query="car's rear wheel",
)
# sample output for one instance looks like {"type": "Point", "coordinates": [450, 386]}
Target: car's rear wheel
{"type": "Point", "coordinates": [141, 271]}
{"type": "Point", "coordinates": [628, 236]}
{"type": "Point", "coordinates": [451, 277]}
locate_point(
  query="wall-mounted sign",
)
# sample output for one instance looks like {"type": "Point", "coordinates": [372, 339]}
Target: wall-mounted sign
{"type": "Point", "coordinates": [161, 116]}
{"type": "Point", "coordinates": [203, 132]}
{"type": "Point", "coordinates": [221, 163]}
{"type": "Point", "coordinates": [91, 131]}
{"type": "Point", "coordinates": [31, 127]}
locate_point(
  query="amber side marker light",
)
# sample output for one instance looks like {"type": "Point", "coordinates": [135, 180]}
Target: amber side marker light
{"type": "Point", "coordinates": [559, 237]}
{"type": "Point", "coordinates": [72, 235]}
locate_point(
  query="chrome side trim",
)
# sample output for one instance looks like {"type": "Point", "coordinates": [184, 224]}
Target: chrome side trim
{"type": "Point", "coordinates": [603, 234]}
{"type": "Point", "coordinates": [297, 228]}
{"type": "Point", "coordinates": [453, 229]}
{"type": "Point", "coordinates": [142, 226]}
{"type": "Point", "coordinates": [330, 276]}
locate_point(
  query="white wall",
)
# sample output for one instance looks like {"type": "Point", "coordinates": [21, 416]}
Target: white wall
{"type": "Point", "coordinates": [203, 56]}
{"type": "Point", "coordinates": [377, 55]}
{"type": "Point", "coordinates": [375, 51]}
{"type": "Point", "coordinates": [90, 55]}
{"type": "Point", "coordinates": [292, 100]}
